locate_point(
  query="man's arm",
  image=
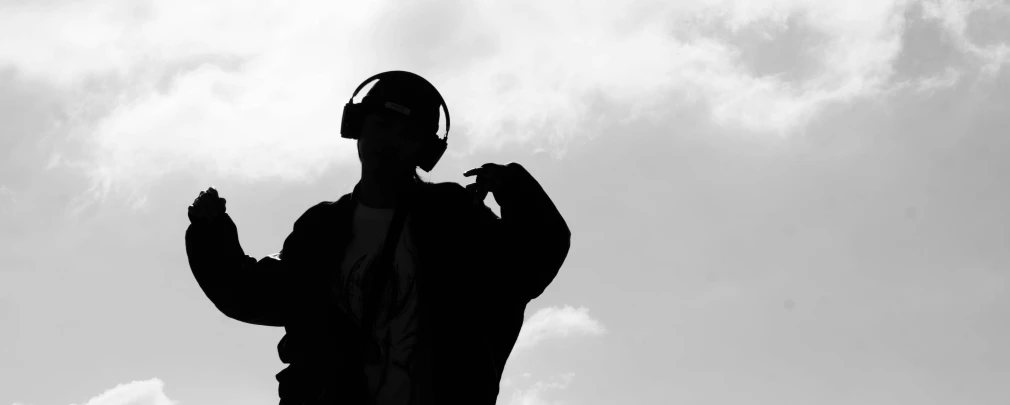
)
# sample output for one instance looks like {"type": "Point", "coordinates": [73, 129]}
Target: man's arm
{"type": "Point", "coordinates": [526, 247]}
{"type": "Point", "coordinates": [241, 287]}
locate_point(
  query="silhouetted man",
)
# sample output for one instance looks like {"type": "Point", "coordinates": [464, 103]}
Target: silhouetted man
{"type": "Point", "coordinates": [378, 316]}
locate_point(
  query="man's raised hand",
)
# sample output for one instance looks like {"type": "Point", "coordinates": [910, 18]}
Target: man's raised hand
{"type": "Point", "coordinates": [491, 177]}
{"type": "Point", "coordinates": [207, 206]}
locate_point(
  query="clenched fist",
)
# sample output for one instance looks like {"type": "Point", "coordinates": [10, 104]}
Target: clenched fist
{"type": "Point", "coordinates": [207, 206]}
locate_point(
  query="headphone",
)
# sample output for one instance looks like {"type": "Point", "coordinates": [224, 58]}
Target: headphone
{"type": "Point", "coordinates": [354, 116]}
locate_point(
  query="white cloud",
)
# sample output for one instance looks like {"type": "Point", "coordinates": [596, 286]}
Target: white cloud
{"type": "Point", "coordinates": [953, 16]}
{"type": "Point", "coordinates": [149, 392]}
{"type": "Point", "coordinates": [553, 322]}
{"type": "Point", "coordinates": [8, 193]}
{"type": "Point", "coordinates": [534, 394]}
{"type": "Point", "coordinates": [256, 90]}
{"type": "Point", "coordinates": [947, 79]}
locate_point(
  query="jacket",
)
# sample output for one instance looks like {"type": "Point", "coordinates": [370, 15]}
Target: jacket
{"type": "Point", "coordinates": [476, 274]}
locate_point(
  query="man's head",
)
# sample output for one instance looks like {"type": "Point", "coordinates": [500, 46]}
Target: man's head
{"type": "Point", "coordinates": [404, 112]}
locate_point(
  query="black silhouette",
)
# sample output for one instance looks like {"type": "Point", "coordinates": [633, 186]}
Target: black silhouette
{"type": "Point", "coordinates": [431, 321]}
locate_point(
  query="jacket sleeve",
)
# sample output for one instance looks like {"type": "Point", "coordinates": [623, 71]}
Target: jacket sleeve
{"type": "Point", "coordinates": [240, 286]}
{"type": "Point", "coordinates": [525, 248]}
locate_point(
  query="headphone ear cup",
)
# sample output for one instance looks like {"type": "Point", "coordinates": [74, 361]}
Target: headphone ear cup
{"type": "Point", "coordinates": [431, 154]}
{"type": "Point", "coordinates": [350, 122]}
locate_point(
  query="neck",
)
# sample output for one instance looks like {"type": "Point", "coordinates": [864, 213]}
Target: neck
{"type": "Point", "coordinates": [382, 191]}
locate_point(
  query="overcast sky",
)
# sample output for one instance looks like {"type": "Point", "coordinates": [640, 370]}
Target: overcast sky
{"type": "Point", "coordinates": [772, 201]}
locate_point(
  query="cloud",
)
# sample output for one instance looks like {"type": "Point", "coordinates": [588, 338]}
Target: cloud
{"type": "Point", "coordinates": [944, 80]}
{"type": "Point", "coordinates": [149, 392]}
{"type": "Point", "coordinates": [7, 193]}
{"type": "Point", "coordinates": [553, 322]}
{"type": "Point", "coordinates": [953, 16]}
{"type": "Point", "coordinates": [534, 394]}
{"type": "Point", "coordinates": [255, 91]}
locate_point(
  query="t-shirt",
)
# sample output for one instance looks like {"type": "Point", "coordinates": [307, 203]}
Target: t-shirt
{"type": "Point", "coordinates": [390, 381]}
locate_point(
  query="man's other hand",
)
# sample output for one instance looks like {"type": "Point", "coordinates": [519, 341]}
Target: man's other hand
{"type": "Point", "coordinates": [207, 206]}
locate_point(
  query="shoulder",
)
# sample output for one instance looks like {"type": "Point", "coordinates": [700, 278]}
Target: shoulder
{"type": "Point", "coordinates": [317, 213]}
{"type": "Point", "coordinates": [319, 209]}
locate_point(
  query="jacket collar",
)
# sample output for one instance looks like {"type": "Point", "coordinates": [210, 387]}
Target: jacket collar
{"type": "Point", "coordinates": [412, 193]}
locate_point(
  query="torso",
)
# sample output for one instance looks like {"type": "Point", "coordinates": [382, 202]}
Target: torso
{"type": "Point", "coordinates": [390, 378]}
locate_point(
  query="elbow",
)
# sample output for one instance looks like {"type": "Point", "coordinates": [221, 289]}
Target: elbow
{"type": "Point", "coordinates": [235, 301]}
{"type": "Point", "coordinates": [251, 318]}
{"type": "Point", "coordinates": [566, 239]}
{"type": "Point", "coordinates": [550, 265]}
{"type": "Point", "coordinates": [222, 299]}
{"type": "Point", "coordinates": [221, 295]}
{"type": "Point", "coordinates": [249, 315]}
{"type": "Point", "coordinates": [564, 242]}
{"type": "Point", "coordinates": [228, 310]}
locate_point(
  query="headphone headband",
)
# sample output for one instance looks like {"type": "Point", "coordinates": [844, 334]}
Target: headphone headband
{"type": "Point", "coordinates": [432, 149]}
{"type": "Point", "coordinates": [441, 101]}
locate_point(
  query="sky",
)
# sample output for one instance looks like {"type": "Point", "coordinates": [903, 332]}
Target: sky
{"type": "Point", "coordinates": [772, 201]}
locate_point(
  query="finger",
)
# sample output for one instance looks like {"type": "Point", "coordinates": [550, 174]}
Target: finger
{"type": "Point", "coordinates": [486, 168]}
{"type": "Point", "coordinates": [480, 197]}
{"type": "Point", "coordinates": [194, 214]}
{"type": "Point", "coordinates": [480, 194]}
{"type": "Point", "coordinates": [212, 192]}
{"type": "Point", "coordinates": [202, 212]}
{"type": "Point", "coordinates": [480, 181]}
{"type": "Point", "coordinates": [473, 188]}
{"type": "Point", "coordinates": [495, 183]}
